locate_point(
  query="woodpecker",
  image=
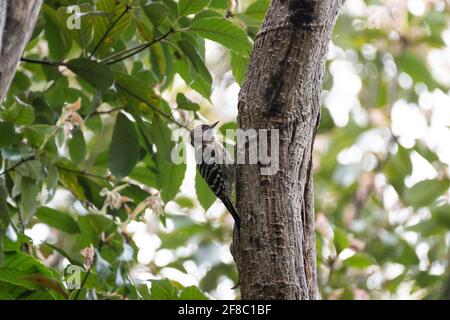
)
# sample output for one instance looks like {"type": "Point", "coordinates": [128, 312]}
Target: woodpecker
{"type": "Point", "coordinates": [215, 166]}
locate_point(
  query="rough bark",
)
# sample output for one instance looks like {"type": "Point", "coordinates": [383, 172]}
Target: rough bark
{"type": "Point", "coordinates": [275, 254]}
{"type": "Point", "coordinates": [2, 20]}
{"type": "Point", "coordinates": [17, 19]}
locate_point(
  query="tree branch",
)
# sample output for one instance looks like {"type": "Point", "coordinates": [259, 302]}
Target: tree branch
{"type": "Point", "coordinates": [44, 62]}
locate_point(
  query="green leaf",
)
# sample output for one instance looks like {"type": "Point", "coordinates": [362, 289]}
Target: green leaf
{"type": "Point", "coordinates": [158, 61]}
{"type": "Point", "coordinates": [2, 248]}
{"type": "Point", "coordinates": [162, 136]}
{"type": "Point", "coordinates": [18, 267]}
{"type": "Point", "coordinates": [17, 153]}
{"type": "Point", "coordinates": [124, 148]}
{"type": "Point", "coordinates": [5, 218]}
{"type": "Point", "coordinates": [219, 4]}
{"type": "Point", "coordinates": [202, 87]}
{"type": "Point", "coordinates": [224, 32]}
{"type": "Point", "coordinates": [32, 169]}
{"type": "Point", "coordinates": [408, 255]}
{"type": "Point", "coordinates": [97, 74]}
{"type": "Point", "coordinates": [4, 212]}
{"type": "Point", "coordinates": [91, 226]}
{"type": "Point", "coordinates": [442, 215]}
{"type": "Point", "coordinates": [56, 33]}
{"type": "Point", "coordinates": [144, 175]}
{"type": "Point", "coordinates": [196, 60]}
{"type": "Point", "coordinates": [192, 293]}
{"type": "Point", "coordinates": [155, 11]}
{"type": "Point", "coordinates": [340, 239]}
{"type": "Point", "coordinates": [238, 66]}
{"type": "Point", "coordinates": [185, 202]}
{"type": "Point", "coordinates": [186, 104]}
{"type": "Point", "coordinates": [359, 260]}
{"type": "Point", "coordinates": [416, 68]}
{"type": "Point", "coordinates": [187, 7]}
{"type": "Point", "coordinates": [77, 146]}
{"type": "Point", "coordinates": [163, 290]}
{"type": "Point", "coordinates": [110, 11]}
{"type": "Point", "coordinates": [398, 167]}
{"type": "Point", "coordinates": [28, 197]}
{"type": "Point", "coordinates": [257, 10]}
{"type": "Point", "coordinates": [204, 194]}
{"type": "Point", "coordinates": [146, 30]}
{"type": "Point", "coordinates": [98, 222]}
{"type": "Point", "coordinates": [8, 134]}
{"type": "Point", "coordinates": [136, 91]}
{"type": "Point", "coordinates": [103, 267]}
{"type": "Point", "coordinates": [425, 192]}
{"type": "Point", "coordinates": [57, 219]}
{"type": "Point", "coordinates": [20, 113]}
{"type": "Point", "coordinates": [170, 178]}
{"type": "Point", "coordinates": [52, 177]}
{"type": "Point", "coordinates": [71, 259]}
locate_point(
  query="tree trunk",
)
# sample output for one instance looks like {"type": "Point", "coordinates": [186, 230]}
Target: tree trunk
{"type": "Point", "coordinates": [17, 19]}
{"type": "Point", "coordinates": [275, 253]}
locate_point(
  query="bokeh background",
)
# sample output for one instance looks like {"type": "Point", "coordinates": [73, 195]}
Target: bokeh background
{"type": "Point", "coordinates": [381, 166]}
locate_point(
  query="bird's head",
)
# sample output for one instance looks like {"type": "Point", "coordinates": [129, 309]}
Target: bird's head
{"type": "Point", "coordinates": [203, 134]}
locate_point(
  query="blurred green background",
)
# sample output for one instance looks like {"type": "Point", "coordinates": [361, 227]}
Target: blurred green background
{"type": "Point", "coordinates": [381, 156]}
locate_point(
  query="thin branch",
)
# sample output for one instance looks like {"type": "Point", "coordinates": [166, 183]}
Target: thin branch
{"type": "Point", "coordinates": [108, 31]}
{"type": "Point", "coordinates": [44, 62]}
{"type": "Point", "coordinates": [136, 50]}
{"type": "Point", "coordinates": [88, 272]}
{"type": "Point", "coordinates": [16, 165]}
{"type": "Point", "coordinates": [121, 53]}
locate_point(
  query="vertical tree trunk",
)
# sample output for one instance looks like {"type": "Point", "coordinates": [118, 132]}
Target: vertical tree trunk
{"type": "Point", "coordinates": [275, 254]}
{"type": "Point", "coordinates": [17, 19]}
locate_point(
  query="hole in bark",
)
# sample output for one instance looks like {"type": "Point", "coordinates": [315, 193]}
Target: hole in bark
{"type": "Point", "coordinates": [301, 12]}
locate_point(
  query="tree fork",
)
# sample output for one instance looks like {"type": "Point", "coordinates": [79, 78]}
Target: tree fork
{"type": "Point", "coordinates": [275, 254]}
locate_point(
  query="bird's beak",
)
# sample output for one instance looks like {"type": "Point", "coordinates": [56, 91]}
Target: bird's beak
{"type": "Point", "coordinates": [214, 124]}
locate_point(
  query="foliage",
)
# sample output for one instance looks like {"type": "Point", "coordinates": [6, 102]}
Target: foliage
{"type": "Point", "coordinates": [86, 115]}
{"type": "Point", "coordinates": [382, 221]}
{"type": "Point", "coordinates": [86, 140]}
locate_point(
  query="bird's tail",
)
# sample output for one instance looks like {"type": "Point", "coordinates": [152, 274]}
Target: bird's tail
{"type": "Point", "coordinates": [232, 209]}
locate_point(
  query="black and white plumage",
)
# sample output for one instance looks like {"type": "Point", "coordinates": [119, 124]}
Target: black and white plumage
{"type": "Point", "coordinates": [215, 166]}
